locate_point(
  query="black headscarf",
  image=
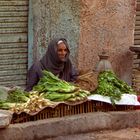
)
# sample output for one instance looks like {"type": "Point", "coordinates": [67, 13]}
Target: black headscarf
{"type": "Point", "coordinates": [52, 62]}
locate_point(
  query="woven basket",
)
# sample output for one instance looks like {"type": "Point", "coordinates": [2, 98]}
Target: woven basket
{"type": "Point", "coordinates": [63, 109]}
{"type": "Point", "coordinates": [88, 81]}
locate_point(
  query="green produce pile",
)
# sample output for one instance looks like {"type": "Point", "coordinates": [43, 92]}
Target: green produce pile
{"type": "Point", "coordinates": [15, 96]}
{"type": "Point", "coordinates": [21, 101]}
{"type": "Point", "coordinates": [49, 90]}
{"type": "Point", "coordinates": [58, 90]}
{"type": "Point", "coordinates": [110, 85]}
{"type": "Point", "coordinates": [50, 82]}
{"type": "Point", "coordinates": [7, 105]}
{"type": "Point", "coordinates": [78, 95]}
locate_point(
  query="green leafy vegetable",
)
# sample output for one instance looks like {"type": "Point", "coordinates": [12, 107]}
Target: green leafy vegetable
{"type": "Point", "coordinates": [110, 85]}
{"type": "Point", "coordinates": [50, 82]}
{"type": "Point", "coordinates": [6, 105]}
{"type": "Point", "coordinates": [17, 95]}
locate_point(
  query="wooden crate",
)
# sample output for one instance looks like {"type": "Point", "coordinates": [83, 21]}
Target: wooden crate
{"type": "Point", "coordinates": [67, 110]}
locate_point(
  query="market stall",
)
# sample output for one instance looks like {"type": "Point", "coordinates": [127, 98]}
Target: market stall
{"type": "Point", "coordinates": [53, 97]}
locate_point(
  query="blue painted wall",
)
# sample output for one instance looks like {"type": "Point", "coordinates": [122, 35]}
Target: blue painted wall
{"type": "Point", "coordinates": [53, 18]}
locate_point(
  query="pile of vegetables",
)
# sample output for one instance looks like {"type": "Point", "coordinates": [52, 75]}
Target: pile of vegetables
{"type": "Point", "coordinates": [15, 96]}
{"type": "Point", "coordinates": [110, 85]}
{"type": "Point", "coordinates": [34, 104]}
{"type": "Point", "coordinates": [50, 82]}
{"type": "Point", "coordinates": [49, 90]}
{"type": "Point", "coordinates": [21, 101]}
{"type": "Point", "coordinates": [58, 90]}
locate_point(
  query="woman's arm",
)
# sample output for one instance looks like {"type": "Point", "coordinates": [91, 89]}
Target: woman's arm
{"type": "Point", "coordinates": [32, 78]}
{"type": "Point", "coordinates": [74, 74]}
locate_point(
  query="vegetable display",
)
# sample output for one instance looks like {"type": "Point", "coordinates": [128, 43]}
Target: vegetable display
{"type": "Point", "coordinates": [58, 90]}
{"type": "Point", "coordinates": [69, 97]}
{"type": "Point", "coordinates": [50, 82]}
{"type": "Point", "coordinates": [34, 104]}
{"type": "Point", "coordinates": [21, 101]}
{"type": "Point", "coordinates": [17, 95]}
{"type": "Point", "coordinates": [49, 90]}
{"type": "Point", "coordinates": [110, 85]}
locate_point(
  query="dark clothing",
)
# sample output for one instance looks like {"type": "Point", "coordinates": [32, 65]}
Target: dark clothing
{"type": "Point", "coordinates": [52, 63]}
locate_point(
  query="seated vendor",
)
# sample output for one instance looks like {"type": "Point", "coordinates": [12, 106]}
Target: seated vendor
{"type": "Point", "coordinates": [56, 60]}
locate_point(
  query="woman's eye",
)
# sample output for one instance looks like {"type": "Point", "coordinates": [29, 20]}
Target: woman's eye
{"type": "Point", "coordinates": [59, 50]}
{"type": "Point", "coordinates": [62, 50]}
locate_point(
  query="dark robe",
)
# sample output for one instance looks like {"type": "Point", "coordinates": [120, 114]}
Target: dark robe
{"type": "Point", "coordinates": [52, 63]}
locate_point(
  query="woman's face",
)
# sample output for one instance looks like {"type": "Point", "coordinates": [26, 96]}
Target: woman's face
{"type": "Point", "coordinates": [62, 51]}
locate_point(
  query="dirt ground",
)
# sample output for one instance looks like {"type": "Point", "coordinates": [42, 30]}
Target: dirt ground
{"type": "Point", "coordinates": [123, 134]}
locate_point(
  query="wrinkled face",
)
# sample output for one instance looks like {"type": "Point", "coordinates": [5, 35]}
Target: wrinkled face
{"type": "Point", "coordinates": [62, 51]}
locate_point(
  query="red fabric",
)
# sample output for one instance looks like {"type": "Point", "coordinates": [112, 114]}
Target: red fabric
{"type": "Point", "coordinates": [138, 98]}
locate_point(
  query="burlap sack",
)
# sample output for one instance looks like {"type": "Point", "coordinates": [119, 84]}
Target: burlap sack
{"type": "Point", "coordinates": [88, 81]}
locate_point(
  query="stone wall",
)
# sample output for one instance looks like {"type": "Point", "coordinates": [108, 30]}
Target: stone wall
{"type": "Point", "coordinates": [90, 26]}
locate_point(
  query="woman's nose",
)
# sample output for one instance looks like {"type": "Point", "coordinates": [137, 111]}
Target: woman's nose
{"type": "Point", "coordinates": [64, 52]}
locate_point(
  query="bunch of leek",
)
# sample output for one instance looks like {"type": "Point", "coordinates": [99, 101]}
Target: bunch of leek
{"type": "Point", "coordinates": [50, 82]}
{"type": "Point", "coordinates": [57, 90]}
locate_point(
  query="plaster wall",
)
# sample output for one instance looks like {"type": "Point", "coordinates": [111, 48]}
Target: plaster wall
{"type": "Point", "coordinates": [89, 26]}
{"type": "Point", "coordinates": [56, 18]}
{"type": "Point", "coordinates": [109, 25]}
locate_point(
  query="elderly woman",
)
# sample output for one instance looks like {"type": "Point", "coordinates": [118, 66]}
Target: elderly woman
{"type": "Point", "coordinates": [56, 60]}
